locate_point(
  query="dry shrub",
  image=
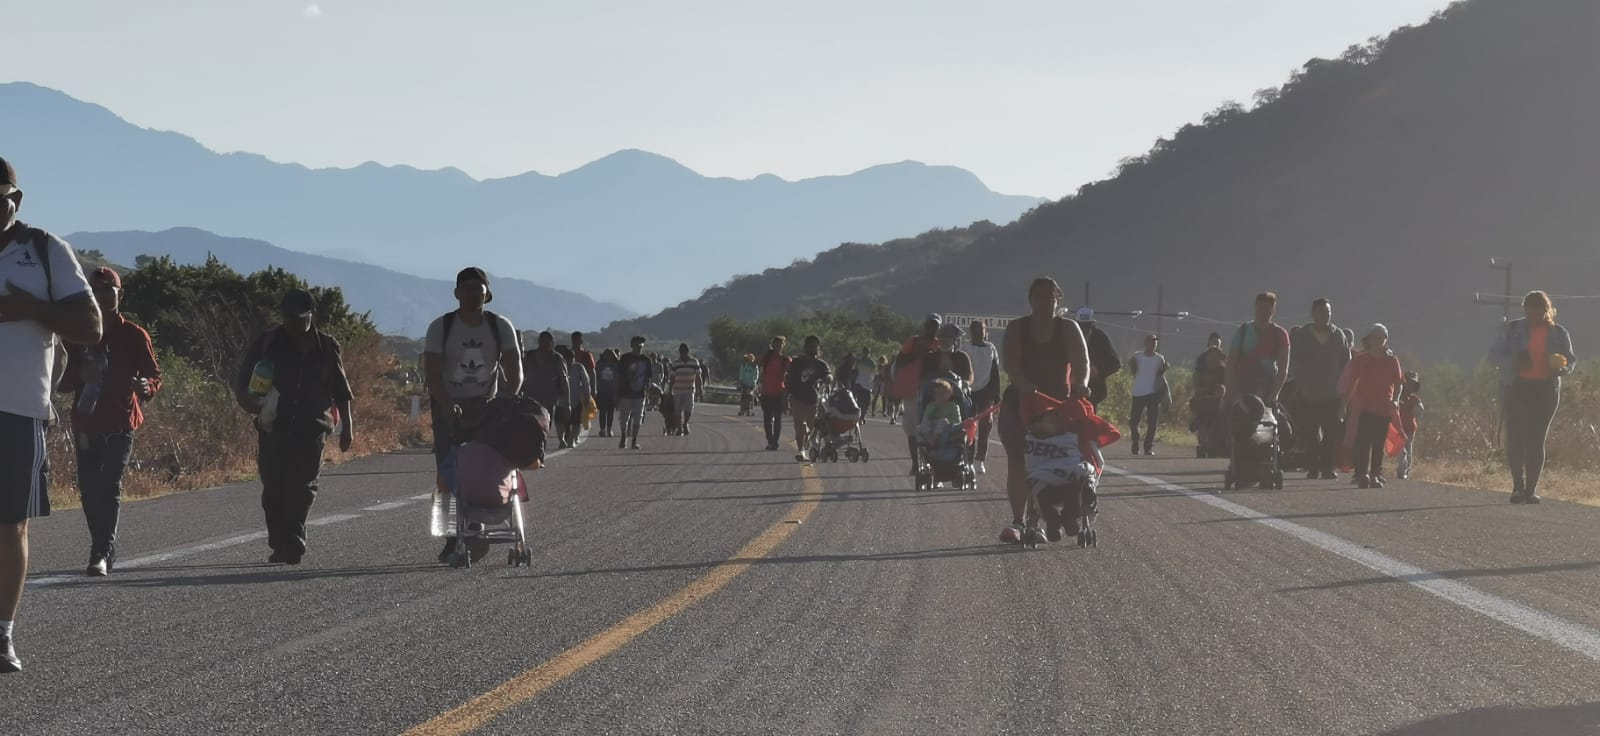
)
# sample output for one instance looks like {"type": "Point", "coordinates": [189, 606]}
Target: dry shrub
{"type": "Point", "coordinates": [195, 436]}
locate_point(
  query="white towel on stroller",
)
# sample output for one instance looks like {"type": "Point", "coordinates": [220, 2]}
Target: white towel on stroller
{"type": "Point", "coordinates": [1056, 461]}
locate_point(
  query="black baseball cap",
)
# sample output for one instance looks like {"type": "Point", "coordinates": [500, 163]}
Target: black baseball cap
{"type": "Point", "coordinates": [297, 303]}
{"type": "Point", "coordinates": [473, 273]}
{"type": "Point", "coordinates": [10, 181]}
{"type": "Point", "coordinates": [637, 340]}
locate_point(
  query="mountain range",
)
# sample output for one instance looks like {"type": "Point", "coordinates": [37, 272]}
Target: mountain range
{"type": "Point", "coordinates": [400, 304]}
{"type": "Point", "coordinates": [1385, 180]}
{"type": "Point", "coordinates": [634, 228]}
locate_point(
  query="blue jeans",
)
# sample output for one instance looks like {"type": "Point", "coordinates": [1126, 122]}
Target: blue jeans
{"type": "Point", "coordinates": [102, 461]}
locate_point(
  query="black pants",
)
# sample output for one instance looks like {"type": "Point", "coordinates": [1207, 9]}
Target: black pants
{"type": "Point", "coordinates": [772, 418]}
{"type": "Point", "coordinates": [1097, 391]}
{"type": "Point", "coordinates": [1322, 432]}
{"type": "Point", "coordinates": [102, 461]}
{"type": "Point", "coordinates": [608, 412]}
{"type": "Point", "coordinates": [1148, 406]}
{"type": "Point", "coordinates": [1530, 406]}
{"type": "Point", "coordinates": [1372, 431]}
{"type": "Point", "coordinates": [290, 463]}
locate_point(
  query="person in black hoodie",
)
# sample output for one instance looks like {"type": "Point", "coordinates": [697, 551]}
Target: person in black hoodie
{"type": "Point", "coordinates": [1103, 359]}
{"type": "Point", "coordinates": [805, 374]}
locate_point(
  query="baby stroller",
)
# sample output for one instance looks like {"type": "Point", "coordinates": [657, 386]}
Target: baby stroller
{"type": "Point", "coordinates": [1256, 446]}
{"type": "Point", "coordinates": [947, 455]}
{"type": "Point", "coordinates": [482, 489]}
{"type": "Point", "coordinates": [838, 427]}
{"type": "Point", "coordinates": [1064, 469]}
{"type": "Point", "coordinates": [667, 405]}
{"type": "Point", "coordinates": [1291, 455]}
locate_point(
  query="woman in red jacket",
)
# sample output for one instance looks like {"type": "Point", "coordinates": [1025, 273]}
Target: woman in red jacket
{"type": "Point", "coordinates": [1375, 381]}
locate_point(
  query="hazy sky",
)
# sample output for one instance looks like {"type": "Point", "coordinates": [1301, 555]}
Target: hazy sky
{"type": "Point", "coordinates": [1035, 96]}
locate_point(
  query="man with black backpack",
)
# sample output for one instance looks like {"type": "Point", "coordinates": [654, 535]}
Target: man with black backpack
{"type": "Point", "coordinates": [291, 380]}
{"type": "Point", "coordinates": [469, 356]}
{"type": "Point", "coordinates": [44, 299]}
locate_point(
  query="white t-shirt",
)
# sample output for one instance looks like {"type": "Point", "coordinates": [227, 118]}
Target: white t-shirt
{"type": "Point", "coordinates": [469, 360]}
{"type": "Point", "coordinates": [1146, 372]}
{"type": "Point", "coordinates": [1055, 461]}
{"type": "Point", "coordinates": [27, 349]}
{"type": "Point", "coordinates": [983, 358]}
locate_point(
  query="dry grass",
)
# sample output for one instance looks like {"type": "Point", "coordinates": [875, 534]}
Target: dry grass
{"type": "Point", "coordinates": [195, 436]}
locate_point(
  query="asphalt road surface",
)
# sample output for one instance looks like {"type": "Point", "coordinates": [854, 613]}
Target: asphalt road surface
{"type": "Point", "coordinates": [703, 585]}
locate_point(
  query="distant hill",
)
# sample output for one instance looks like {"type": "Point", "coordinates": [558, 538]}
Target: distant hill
{"type": "Point", "coordinates": [400, 304]}
{"type": "Point", "coordinates": [632, 227]}
{"type": "Point", "coordinates": [1385, 180]}
{"type": "Point", "coordinates": [848, 277]}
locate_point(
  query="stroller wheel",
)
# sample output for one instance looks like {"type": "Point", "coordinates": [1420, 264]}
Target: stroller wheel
{"type": "Point", "coordinates": [512, 558]}
{"type": "Point", "coordinates": [459, 558]}
{"type": "Point", "coordinates": [865, 455]}
{"type": "Point", "coordinates": [1200, 452]}
{"type": "Point", "coordinates": [1093, 539]}
{"type": "Point", "coordinates": [1227, 479]}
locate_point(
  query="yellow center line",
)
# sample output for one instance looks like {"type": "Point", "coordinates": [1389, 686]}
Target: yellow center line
{"type": "Point", "coordinates": [477, 712]}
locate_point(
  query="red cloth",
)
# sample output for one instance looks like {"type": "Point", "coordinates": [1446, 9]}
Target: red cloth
{"type": "Point", "coordinates": [583, 356]}
{"type": "Point", "coordinates": [1375, 379]}
{"type": "Point", "coordinates": [130, 356]}
{"type": "Point", "coordinates": [1093, 430]}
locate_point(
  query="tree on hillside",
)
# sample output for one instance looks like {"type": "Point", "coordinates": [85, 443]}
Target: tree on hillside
{"type": "Point", "coordinates": [208, 313]}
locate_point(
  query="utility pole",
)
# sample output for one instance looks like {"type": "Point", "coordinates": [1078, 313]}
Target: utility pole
{"type": "Point", "coordinates": [1501, 264]}
{"type": "Point", "coordinates": [1161, 303]}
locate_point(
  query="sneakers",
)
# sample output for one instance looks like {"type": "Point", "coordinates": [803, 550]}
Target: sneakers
{"type": "Point", "coordinates": [1012, 534]}
{"type": "Point", "coordinates": [1516, 497]}
{"type": "Point", "coordinates": [1378, 481]}
{"type": "Point", "coordinates": [1362, 481]}
{"type": "Point", "coordinates": [1149, 452]}
{"type": "Point", "coordinates": [1531, 498]}
{"type": "Point", "coordinates": [635, 444]}
{"type": "Point", "coordinates": [98, 567]}
{"type": "Point", "coordinates": [800, 457]}
{"type": "Point", "coordinates": [8, 656]}
{"type": "Point", "coordinates": [1329, 475]}
{"type": "Point", "coordinates": [444, 555]}
{"type": "Point", "coordinates": [1035, 535]}
{"type": "Point", "coordinates": [980, 468]}
{"type": "Point", "coordinates": [1313, 475]}
{"type": "Point", "coordinates": [623, 445]}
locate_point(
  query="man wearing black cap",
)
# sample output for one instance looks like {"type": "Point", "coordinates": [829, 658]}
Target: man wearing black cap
{"type": "Point", "coordinates": [469, 356]}
{"type": "Point", "coordinates": [44, 299]}
{"type": "Point", "coordinates": [290, 379]}
{"type": "Point", "coordinates": [1103, 360]}
{"type": "Point", "coordinates": [109, 381]}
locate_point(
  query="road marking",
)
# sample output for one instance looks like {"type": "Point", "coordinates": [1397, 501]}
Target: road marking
{"type": "Point", "coordinates": [530, 684]}
{"type": "Point", "coordinates": [1571, 636]}
{"type": "Point", "coordinates": [173, 554]}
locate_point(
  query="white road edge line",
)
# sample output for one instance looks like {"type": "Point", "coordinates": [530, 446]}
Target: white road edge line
{"type": "Point", "coordinates": [234, 541]}
{"type": "Point", "coordinates": [1566, 634]}
{"type": "Point", "coordinates": [1571, 636]}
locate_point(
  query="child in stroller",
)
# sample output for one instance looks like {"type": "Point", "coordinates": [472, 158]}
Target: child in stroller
{"type": "Point", "coordinates": [946, 435]}
{"type": "Point", "coordinates": [1256, 435]}
{"type": "Point", "coordinates": [838, 427]}
{"type": "Point", "coordinates": [481, 487]}
{"type": "Point", "coordinates": [1064, 461]}
{"type": "Point", "coordinates": [664, 402]}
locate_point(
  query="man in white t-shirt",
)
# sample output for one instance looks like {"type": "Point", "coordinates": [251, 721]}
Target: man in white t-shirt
{"type": "Point", "coordinates": [469, 356]}
{"type": "Point", "coordinates": [44, 298]}
{"type": "Point", "coordinates": [985, 357]}
{"type": "Point", "coordinates": [1149, 370]}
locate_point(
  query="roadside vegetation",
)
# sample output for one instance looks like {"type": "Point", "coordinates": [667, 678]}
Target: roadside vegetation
{"type": "Point", "coordinates": [201, 319]}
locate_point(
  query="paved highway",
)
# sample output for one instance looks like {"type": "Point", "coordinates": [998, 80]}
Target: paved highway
{"type": "Point", "coordinates": [705, 586]}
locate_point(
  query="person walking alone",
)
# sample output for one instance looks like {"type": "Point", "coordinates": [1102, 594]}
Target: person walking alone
{"type": "Point", "coordinates": [304, 379]}
{"type": "Point", "coordinates": [1533, 354]}
{"type": "Point", "coordinates": [109, 381]}
{"type": "Point", "coordinates": [45, 300]}
{"type": "Point", "coordinates": [774, 376]}
{"type": "Point", "coordinates": [1149, 370]}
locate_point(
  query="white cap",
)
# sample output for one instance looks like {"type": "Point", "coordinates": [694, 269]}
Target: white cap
{"type": "Point", "coordinates": [1085, 314]}
{"type": "Point", "coordinates": [1377, 329]}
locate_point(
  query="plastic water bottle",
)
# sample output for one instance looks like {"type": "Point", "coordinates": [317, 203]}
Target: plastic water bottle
{"type": "Point", "coordinates": [261, 378]}
{"type": "Point", "coordinates": [89, 399]}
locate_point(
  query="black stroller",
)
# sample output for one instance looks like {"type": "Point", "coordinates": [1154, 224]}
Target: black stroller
{"type": "Point", "coordinates": [1209, 427]}
{"type": "Point", "coordinates": [1257, 447]}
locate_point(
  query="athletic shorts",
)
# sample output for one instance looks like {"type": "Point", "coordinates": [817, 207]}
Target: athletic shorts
{"type": "Point", "coordinates": [24, 469]}
{"type": "Point", "coordinates": [682, 401]}
{"type": "Point", "coordinates": [632, 410]}
{"type": "Point", "coordinates": [802, 410]}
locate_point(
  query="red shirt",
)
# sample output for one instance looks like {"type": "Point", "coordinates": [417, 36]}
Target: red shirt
{"type": "Point", "coordinates": [1376, 379]}
{"type": "Point", "coordinates": [773, 372]}
{"type": "Point", "coordinates": [129, 356]}
{"type": "Point", "coordinates": [586, 358]}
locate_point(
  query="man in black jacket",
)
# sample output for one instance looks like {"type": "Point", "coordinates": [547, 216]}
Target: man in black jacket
{"type": "Point", "coordinates": [293, 420]}
{"type": "Point", "coordinates": [1103, 360]}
